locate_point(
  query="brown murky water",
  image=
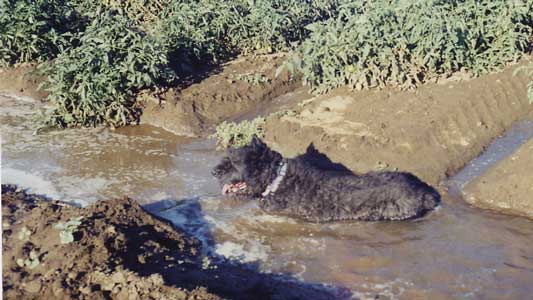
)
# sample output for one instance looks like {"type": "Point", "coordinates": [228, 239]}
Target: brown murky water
{"type": "Point", "coordinates": [457, 252]}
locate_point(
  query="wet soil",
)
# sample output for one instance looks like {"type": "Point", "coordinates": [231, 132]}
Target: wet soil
{"type": "Point", "coordinates": [119, 251]}
{"type": "Point", "coordinates": [507, 186]}
{"type": "Point", "coordinates": [229, 93]}
{"type": "Point", "coordinates": [431, 132]}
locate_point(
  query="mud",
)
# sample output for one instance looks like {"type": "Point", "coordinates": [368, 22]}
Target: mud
{"type": "Point", "coordinates": [507, 186]}
{"type": "Point", "coordinates": [120, 252]}
{"type": "Point", "coordinates": [431, 132]}
{"type": "Point", "coordinates": [224, 95]}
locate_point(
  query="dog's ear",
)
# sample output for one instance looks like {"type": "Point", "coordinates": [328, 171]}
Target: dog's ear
{"type": "Point", "coordinates": [311, 149]}
{"type": "Point", "coordinates": [256, 142]}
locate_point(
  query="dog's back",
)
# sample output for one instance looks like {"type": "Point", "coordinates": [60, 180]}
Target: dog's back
{"type": "Point", "coordinates": [319, 195]}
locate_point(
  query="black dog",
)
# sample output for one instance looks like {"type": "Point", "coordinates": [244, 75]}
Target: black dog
{"type": "Point", "coordinates": [303, 188]}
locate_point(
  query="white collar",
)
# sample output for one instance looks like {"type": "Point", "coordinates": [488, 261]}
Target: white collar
{"type": "Point", "coordinates": [273, 186]}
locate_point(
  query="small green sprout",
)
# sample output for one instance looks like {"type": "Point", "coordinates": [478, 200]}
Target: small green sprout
{"type": "Point", "coordinates": [66, 235]}
{"type": "Point", "coordinates": [230, 134]}
{"type": "Point", "coordinates": [31, 262]}
{"type": "Point", "coordinates": [24, 234]}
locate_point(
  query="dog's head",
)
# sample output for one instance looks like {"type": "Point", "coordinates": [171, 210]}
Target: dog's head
{"type": "Point", "coordinates": [247, 171]}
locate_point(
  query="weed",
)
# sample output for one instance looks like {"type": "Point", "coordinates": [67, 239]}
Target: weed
{"type": "Point", "coordinates": [67, 230]}
{"type": "Point", "coordinates": [31, 262]}
{"type": "Point", "coordinates": [35, 31]}
{"type": "Point", "coordinates": [24, 234]}
{"type": "Point", "coordinates": [213, 30]}
{"type": "Point", "coordinates": [96, 82]}
{"type": "Point", "coordinates": [230, 134]}
{"type": "Point", "coordinates": [145, 12]}
{"type": "Point", "coordinates": [405, 43]}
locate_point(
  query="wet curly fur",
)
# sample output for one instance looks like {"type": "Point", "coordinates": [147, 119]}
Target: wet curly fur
{"type": "Point", "coordinates": [317, 190]}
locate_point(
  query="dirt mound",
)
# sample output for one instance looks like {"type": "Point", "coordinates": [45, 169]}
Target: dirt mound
{"type": "Point", "coordinates": [507, 186]}
{"type": "Point", "coordinates": [431, 132]}
{"type": "Point", "coordinates": [93, 265]}
{"type": "Point", "coordinates": [119, 251]}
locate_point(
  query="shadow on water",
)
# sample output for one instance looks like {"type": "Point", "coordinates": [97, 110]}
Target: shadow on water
{"type": "Point", "coordinates": [228, 278]}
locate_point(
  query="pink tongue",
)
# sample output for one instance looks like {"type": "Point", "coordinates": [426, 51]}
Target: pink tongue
{"type": "Point", "coordinates": [233, 188]}
{"type": "Point", "coordinates": [226, 188]}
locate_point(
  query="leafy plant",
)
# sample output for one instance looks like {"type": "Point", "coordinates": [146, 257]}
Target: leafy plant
{"type": "Point", "coordinates": [193, 31]}
{"type": "Point", "coordinates": [96, 82]}
{"type": "Point", "coordinates": [268, 26]}
{"type": "Point", "coordinates": [213, 30]}
{"type": "Point", "coordinates": [66, 235]}
{"type": "Point", "coordinates": [24, 234]}
{"type": "Point", "coordinates": [405, 43]}
{"type": "Point", "coordinates": [36, 30]}
{"type": "Point", "coordinates": [31, 262]}
{"type": "Point", "coordinates": [231, 134]}
{"type": "Point", "coordinates": [143, 11]}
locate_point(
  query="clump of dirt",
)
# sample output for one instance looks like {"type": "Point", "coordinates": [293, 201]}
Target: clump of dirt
{"type": "Point", "coordinates": [507, 186]}
{"type": "Point", "coordinates": [431, 132]}
{"type": "Point", "coordinates": [112, 235]}
{"type": "Point", "coordinates": [119, 251]}
{"type": "Point", "coordinates": [237, 88]}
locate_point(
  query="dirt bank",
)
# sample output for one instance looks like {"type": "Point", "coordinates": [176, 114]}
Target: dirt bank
{"type": "Point", "coordinates": [22, 81]}
{"type": "Point", "coordinates": [237, 88]}
{"type": "Point", "coordinates": [507, 186]}
{"type": "Point", "coordinates": [121, 252]}
{"type": "Point", "coordinates": [431, 132]}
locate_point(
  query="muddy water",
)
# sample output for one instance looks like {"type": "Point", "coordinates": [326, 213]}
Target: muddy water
{"type": "Point", "coordinates": [457, 252]}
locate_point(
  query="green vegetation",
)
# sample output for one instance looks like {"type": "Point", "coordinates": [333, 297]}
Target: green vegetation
{"type": "Point", "coordinates": [31, 262]}
{"type": "Point", "coordinates": [231, 134]}
{"type": "Point", "coordinates": [405, 43]}
{"type": "Point", "coordinates": [145, 12]}
{"type": "Point", "coordinates": [24, 234]}
{"type": "Point", "coordinates": [66, 235]}
{"type": "Point", "coordinates": [209, 31]}
{"type": "Point", "coordinates": [98, 55]}
{"type": "Point", "coordinates": [35, 31]}
{"type": "Point", "coordinates": [96, 82]}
